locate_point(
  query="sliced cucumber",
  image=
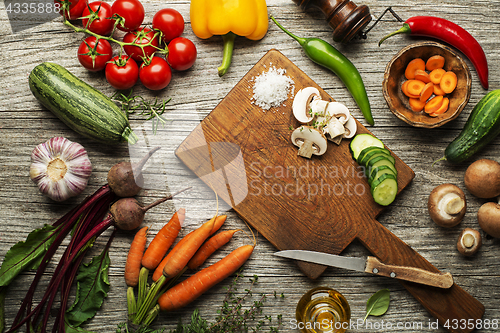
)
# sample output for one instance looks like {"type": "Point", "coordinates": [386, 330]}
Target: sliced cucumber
{"type": "Point", "coordinates": [362, 141]}
{"type": "Point", "coordinates": [368, 157]}
{"type": "Point", "coordinates": [378, 162]}
{"type": "Point", "coordinates": [384, 189]}
{"type": "Point", "coordinates": [378, 172]}
{"type": "Point", "coordinates": [370, 150]}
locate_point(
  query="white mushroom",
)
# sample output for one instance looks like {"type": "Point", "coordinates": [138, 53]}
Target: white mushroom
{"type": "Point", "coordinates": [309, 140]}
{"type": "Point", "coordinates": [301, 101]}
{"type": "Point", "coordinates": [317, 107]}
{"type": "Point", "coordinates": [334, 129]}
{"type": "Point", "coordinates": [338, 110]}
{"type": "Point", "coordinates": [350, 128]}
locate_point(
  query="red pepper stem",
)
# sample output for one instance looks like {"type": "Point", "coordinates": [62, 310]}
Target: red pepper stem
{"type": "Point", "coordinates": [227, 53]}
{"type": "Point", "coordinates": [405, 29]}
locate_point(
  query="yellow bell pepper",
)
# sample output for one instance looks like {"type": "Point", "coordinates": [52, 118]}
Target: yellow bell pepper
{"type": "Point", "coordinates": [229, 18]}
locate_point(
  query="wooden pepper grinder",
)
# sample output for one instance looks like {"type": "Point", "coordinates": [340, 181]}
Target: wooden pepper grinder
{"type": "Point", "coordinates": [344, 16]}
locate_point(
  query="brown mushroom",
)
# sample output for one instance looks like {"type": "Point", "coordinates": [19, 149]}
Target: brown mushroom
{"type": "Point", "coordinates": [469, 242]}
{"type": "Point", "coordinates": [488, 217]}
{"type": "Point", "coordinates": [447, 205]}
{"type": "Point", "coordinates": [482, 178]}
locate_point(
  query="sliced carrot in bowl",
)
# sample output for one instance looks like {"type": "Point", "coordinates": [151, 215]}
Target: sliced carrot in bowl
{"type": "Point", "coordinates": [415, 87]}
{"type": "Point", "coordinates": [434, 104]}
{"type": "Point", "coordinates": [412, 66]}
{"type": "Point", "coordinates": [448, 82]}
{"type": "Point", "coordinates": [422, 76]}
{"type": "Point", "coordinates": [404, 89]}
{"type": "Point", "coordinates": [436, 75]}
{"type": "Point", "coordinates": [416, 104]}
{"type": "Point", "coordinates": [438, 91]}
{"type": "Point", "coordinates": [434, 62]}
{"type": "Point", "coordinates": [427, 92]}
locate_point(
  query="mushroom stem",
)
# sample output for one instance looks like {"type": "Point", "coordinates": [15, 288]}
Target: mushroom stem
{"type": "Point", "coordinates": [469, 242]}
{"type": "Point", "coordinates": [307, 149]}
{"type": "Point", "coordinates": [451, 204]}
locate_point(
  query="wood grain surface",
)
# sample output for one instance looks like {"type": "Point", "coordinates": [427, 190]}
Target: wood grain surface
{"type": "Point", "coordinates": [24, 123]}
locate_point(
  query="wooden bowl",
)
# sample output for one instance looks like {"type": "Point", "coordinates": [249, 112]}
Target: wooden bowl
{"type": "Point", "coordinates": [395, 76]}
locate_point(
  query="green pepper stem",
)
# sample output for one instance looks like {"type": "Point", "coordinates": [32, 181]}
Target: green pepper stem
{"type": "Point", "coordinates": [405, 29]}
{"type": "Point", "coordinates": [300, 40]}
{"type": "Point", "coordinates": [227, 53]}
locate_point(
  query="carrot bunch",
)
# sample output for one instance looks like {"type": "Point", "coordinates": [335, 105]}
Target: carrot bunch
{"type": "Point", "coordinates": [427, 85]}
{"type": "Point", "coordinates": [190, 252]}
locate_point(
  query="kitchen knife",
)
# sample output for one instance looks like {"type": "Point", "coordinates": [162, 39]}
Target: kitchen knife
{"type": "Point", "coordinates": [372, 265]}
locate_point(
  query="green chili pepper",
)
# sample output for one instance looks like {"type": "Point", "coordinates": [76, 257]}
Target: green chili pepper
{"type": "Point", "coordinates": [324, 54]}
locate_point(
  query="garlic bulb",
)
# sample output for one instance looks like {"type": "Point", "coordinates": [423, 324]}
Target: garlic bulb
{"type": "Point", "coordinates": [60, 168]}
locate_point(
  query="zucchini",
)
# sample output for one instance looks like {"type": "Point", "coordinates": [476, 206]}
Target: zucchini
{"type": "Point", "coordinates": [368, 157]}
{"type": "Point", "coordinates": [482, 126]}
{"type": "Point", "coordinates": [384, 189]}
{"type": "Point", "coordinates": [378, 162]}
{"type": "Point", "coordinates": [362, 141]}
{"type": "Point", "coordinates": [377, 172]}
{"type": "Point", "coordinates": [81, 107]}
{"type": "Point", "coordinates": [370, 150]}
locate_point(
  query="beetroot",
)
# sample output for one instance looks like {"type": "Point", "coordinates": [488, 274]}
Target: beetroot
{"type": "Point", "coordinates": [125, 179]}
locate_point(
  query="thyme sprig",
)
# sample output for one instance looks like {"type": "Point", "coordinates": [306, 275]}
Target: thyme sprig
{"type": "Point", "coordinates": [151, 110]}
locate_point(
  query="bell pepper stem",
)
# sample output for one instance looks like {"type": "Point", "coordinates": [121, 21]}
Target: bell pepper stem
{"type": "Point", "coordinates": [405, 29]}
{"type": "Point", "coordinates": [227, 53]}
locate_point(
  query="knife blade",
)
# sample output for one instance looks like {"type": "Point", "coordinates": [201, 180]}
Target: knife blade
{"type": "Point", "coordinates": [372, 265]}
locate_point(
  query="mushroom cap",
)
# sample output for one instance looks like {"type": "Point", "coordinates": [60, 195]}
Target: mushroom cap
{"type": "Point", "coordinates": [482, 178]}
{"type": "Point", "coordinates": [338, 110]}
{"type": "Point", "coordinates": [350, 128]}
{"type": "Point", "coordinates": [300, 105]}
{"type": "Point", "coordinates": [469, 242]}
{"type": "Point", "coordinates": [447, 205]}
{"type": "Point", "coordinates": [303, 133]}
{"type": "Point", "coordinates": [488, 217]}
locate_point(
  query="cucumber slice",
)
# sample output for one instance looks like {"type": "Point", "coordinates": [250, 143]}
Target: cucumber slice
{"type": "Point", "coordinates": [362, 141]}
{"type": "Point", "coordinates": [378, 172]}
{"type": "Point", "coordinates": [377, 162]}
{"type": "Point", "coordinates": [371, 149]}
{"type": "Point", "coordinates": [384, 189]}
{"type": "Point", "coordinates": [372, 154]}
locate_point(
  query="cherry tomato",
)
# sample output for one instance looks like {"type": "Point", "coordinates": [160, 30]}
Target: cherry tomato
{"type": "Point", "coordinates": [155, 74]}
{"type": "Point", "coordinates": [101, 25]}
{"type": "Point", "coordinates": [181, 53]}
{"type": "Point", "coordinates": [132, 12]}
{"type": "Point", "coordinates": [170, 22]}
{"type": "Point", "coordinates": [122, 72]}
{"type": "Point", "coordinates": [74, 8]}
{"type": "Point", "coordinates": [94, 58]}
{"type": "Point", "coordinates": [140, 37]}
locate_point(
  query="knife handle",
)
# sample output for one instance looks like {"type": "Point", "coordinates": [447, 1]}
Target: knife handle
{"type": "Point", "coordinates": [418, 275]}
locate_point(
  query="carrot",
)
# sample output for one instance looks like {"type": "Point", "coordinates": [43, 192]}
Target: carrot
{"type": "Point", "coordinates": [219, 221]}
{"type": "Point", "coordinates": [434, 104]}
{"type": "Point", "coordinates": [426, 92]}
{"type": "Point", "coordinates": [436, 75]}
{"type": "Point", "coordinates": [442, 109]}
{"type": "Point", "coordinates": [193, 287]}
{"type": "Point", "coordinates": [416, 104]}
{"type": "Point", "coordinates": [438, 91]}
{"type": "Point", "coordinates": [448, 82]}
{"type": "Point", "coordinates": [413, 66]}
{"type": "Point", "coordinates": [163, 240]}
{"type": "Point", "coordinates": [434, 62]}
{"type": "Point", "coordinates": [135, 253]}
{"type": "Point", "coordinates": [415, 87]}
{"type": "Point", "coordinates": [210, 246]}
{"type": "Point", "coordinates": [404, 88]}
{"type": "Point", "coordinates": [422, 76]}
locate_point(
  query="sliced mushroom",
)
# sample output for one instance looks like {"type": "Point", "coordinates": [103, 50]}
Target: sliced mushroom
{"type": "Point", "coordinates": [350, 128]}
{"type": "Point", "coordinates": [301, 101]}
{"type": "Point", "coordinates": [309, 140]}
{"type": "Point", "coordinates": [334, 129]}
{"type": "Point", "coordinates": [469, 242]}
{"type": "Point", "coordinates": [338, 110]}
{"type": "Point", "coordinates": [317, 107]}
{"type": "Point", "coordinates": [447, 205]}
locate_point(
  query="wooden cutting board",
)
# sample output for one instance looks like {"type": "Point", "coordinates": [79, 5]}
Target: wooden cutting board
{"type": "Point", "coordinates": [245, 154]}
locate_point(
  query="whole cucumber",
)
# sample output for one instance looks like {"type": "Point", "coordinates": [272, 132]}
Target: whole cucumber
{"type": "Point", "coordinates": [482, 126]}
{"type": "Point", "coordinates": [83, 108]}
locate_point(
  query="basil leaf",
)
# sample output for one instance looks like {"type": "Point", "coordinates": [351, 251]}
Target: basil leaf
{"type": "Point", "coordinates": [378, 303]}
{"type": "Point", "coordinates": [27, 254]}
{"type": "Point", "coordinates": [92, 288]}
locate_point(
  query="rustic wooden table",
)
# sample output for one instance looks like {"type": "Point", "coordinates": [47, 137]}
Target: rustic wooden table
{"type": "Point", "coordinates": [24, 123]}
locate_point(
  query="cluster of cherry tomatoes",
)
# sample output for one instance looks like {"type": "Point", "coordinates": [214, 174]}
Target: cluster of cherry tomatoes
{"type": "Point", "coordinates": [141, 45]}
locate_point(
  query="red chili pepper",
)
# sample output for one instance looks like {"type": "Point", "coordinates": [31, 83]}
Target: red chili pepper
{"type": "Point", "coordinates": [450, 33]}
